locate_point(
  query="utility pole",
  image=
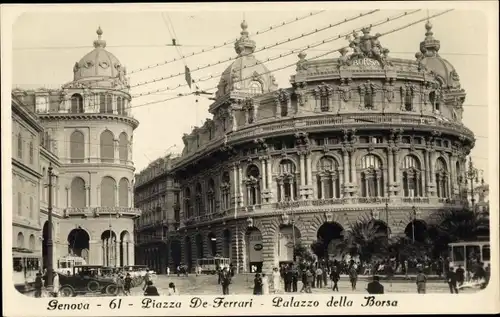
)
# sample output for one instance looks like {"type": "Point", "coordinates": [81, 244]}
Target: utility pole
{"type": "Point", "coordinates": [50, 243]}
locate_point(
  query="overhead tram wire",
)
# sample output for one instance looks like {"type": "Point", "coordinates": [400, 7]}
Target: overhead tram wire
{"type": "Point", "coordinates": [303, 35]}
{"type": "Point", "coordinates": [385, 20]}
{"type": "Point", "coordinates": [316, 44]}
{"type": "Point", "coordinates": [271, 28]}
{"type": "Point", "coordinates": [309, 59]}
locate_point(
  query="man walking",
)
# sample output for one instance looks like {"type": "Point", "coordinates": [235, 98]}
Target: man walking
{"type": "Point", "coordinates": [451, 278]}
{"type": "Point", "coordinates": [335, 277]}
{"type": "Point", "coordinates": [225, 280]}
{"type": "Point", "coordinates": [319, 277]}
{"type": "Point", "coordinates": [421, 282]}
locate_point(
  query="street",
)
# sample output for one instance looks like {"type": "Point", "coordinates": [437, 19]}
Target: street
{"type": "Point", "coordinates": [243, 284]}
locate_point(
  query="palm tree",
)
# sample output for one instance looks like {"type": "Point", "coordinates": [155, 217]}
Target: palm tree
{"type": "Point", "coordinates": [463, 224]}
{"type": "Point", "coordinates": [365, 238]}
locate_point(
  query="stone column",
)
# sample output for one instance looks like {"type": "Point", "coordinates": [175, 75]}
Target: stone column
{"type": "Point", "coordinates": [269, 177]}
{"type": "Point", "coordinates": [309, 169]}
{"type": "Point", "coordinates": [116, 196]}
{"type": "Point", "coordinates": [263, 173]}
{"type": "Point", "coordinates": [130, 197]}
{"type": "Point", "coordinates": [391, 167]}
{"type": "Point", "coordinates": [334, 186]}
{"type": "Point", "coordinates": [281, 190]}
{"type": "Point", "coordinates": [303, 171]}
{"type": "Point", "coordinates": [341, 181]}
{"type": "Point", "coordinates": [240, 186]}
{"type": "Point", "coordinates": [235, 185]}
{"type": "Point", "coordinates": [268, 252]}
{"type": "Point", "coordinates": [346, 167]}
{"type": "Point", "coordinates": [117, 252]}
{"type": "Point", "coordinates": [397, 167]}
{"type": "Point", "coordinates": [322, 183]}
{"type": "Point", "coordinates": [87, 196]}
{"type": "Point", "coordinates": [353, 168]}
{"type": "Point", "coordinates": [116, 149]}
{"type": "Point", "coordinates": [377, 177]}
{"type": "Point", "coordinates": [68, 197]}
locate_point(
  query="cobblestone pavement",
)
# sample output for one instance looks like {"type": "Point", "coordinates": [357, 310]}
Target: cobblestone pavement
{"type": "Point", "coordinates": [243, 284]}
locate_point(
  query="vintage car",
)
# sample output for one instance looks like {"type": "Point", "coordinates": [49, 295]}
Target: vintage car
{"type": "Point", "coordinates": [87, 279]}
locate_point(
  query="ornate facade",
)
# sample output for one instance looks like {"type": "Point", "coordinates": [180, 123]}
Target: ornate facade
{"type": "Point", "coordinates": [361, 135]}
{"type": "Point", "coordinates": [90, 129]}
{"type": "Point", "coordinates": [157, 194]}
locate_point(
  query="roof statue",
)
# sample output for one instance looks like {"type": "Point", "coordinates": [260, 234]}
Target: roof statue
{"type": "Point", "coordinates": [364, 46]}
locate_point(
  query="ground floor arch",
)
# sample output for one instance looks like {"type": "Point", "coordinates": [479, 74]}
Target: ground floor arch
{"type": "Point", "coordinates": [79, 243]}
{"type": "Point", "coordinates": [287, 238]}
{"type": "Point", "coordinates": [254, 243]}
{"type": "Point", "coordinates": [329, 236]}
{"type": "Point", "coordinates": [226, 243]}
{"type": "Point", "coordinates": [125, 246]}
{"type": "Point", "coordinates": [110, 249]}
{"type": "Point", "coordinates": [416, 231]}
{"type": "Point", "coordinates": [199, 246]}
{"type": "Point", "coordinates": [188, 253]}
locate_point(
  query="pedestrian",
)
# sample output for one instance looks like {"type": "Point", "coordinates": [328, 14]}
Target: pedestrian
{"type": "Point", "coordinates": [325, 276]}
{"type": "Point", "coordinates": [451, 278]}
{"type": "Point", "coordinates": [374, 287]}
{"type": "Point", "coordinates": [335, 277]}
{"type": "Point", "coordinates": [55, 284]}
{"type": "Point", "coordinates": [276, 281]}
{"type": "Point", "coordinates": [304, 279]}
{"type": "Point", "coordinates": [225, 279]}
{"type": "Point", "coordinates": [168, 270]}
{"type": "Point", "coordinates": [295, 279]}
{"type": "Point", "coordinates": [38, 285]}
{"type": "Point", "coordinates": [353, 277]}
{"type": "Point", "coordinates": [265, 284]}
{"type": "Point", "coordinates": [257, 285]}
{"type": "Point", "coordinates": [172, 290]}
{"type": "Point", "coordinates": [178, 270]}
{"type": "Point", "coordinates": [288, 279]}
{"type": "Point", "coordinates": [150, 289]}
{"type": "Point", "coordinates": [309, 280]}
{"type": "Point", "coordinates": [421, 282]}
{"type": "Point", "coordinates": [119, 285]}
{"type": "Point", "coordinates": [127, 284]}
{"type": "Point", "coordinates": [460, 272]}
{"type": "Point", "coordinates": [319, 277]}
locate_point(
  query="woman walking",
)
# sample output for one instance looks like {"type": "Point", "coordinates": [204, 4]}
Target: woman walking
{"type": "Point", "coordinates": [276, 280]}
{"type": "Point", "coordinates": [257, 285]}
{"type": "Point", "coordinates": [265, 284]}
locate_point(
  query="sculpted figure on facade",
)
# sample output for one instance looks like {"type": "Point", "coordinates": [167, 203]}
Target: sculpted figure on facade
{"type": "Point", "coordinates": [302, 63]}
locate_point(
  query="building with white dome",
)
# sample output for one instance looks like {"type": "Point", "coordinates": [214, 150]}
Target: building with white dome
{"type": "Point", "coordinates": [361, 136]}
{"type": "Point", "coordinates": [89, 125]}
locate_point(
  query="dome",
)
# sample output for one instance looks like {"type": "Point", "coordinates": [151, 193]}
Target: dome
{"type": "Point", "coordinates": [429, 58]}
{"type": "Point", "coordinates": [246, 74]}
{"type": "Point", "coordinates": [98, 63]}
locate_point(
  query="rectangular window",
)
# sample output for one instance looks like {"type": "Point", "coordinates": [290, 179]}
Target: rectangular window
{"type": "Point", "coordinates": [320, 141]}
{"type": "Point", "coordinates": [377, 140]}
{"type": "Point", "coordinates": [19, 204]}
{"type": "Point", "coordinates": [324, 103]}
{"type": "Point", "coordinates": [364, 139]}
{"type": "Point", "coordinates": [333, 140]}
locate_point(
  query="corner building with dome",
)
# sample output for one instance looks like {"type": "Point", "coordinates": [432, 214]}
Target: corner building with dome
{"type": "Point", "coordinates": [89, 125]}
{"type": "Point", "coordinates": [361, 135]}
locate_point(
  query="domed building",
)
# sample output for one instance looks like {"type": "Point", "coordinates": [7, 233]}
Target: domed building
{"type": "Point", "coordinates": [361, 136]}
{"type": "Point", "coordinates": [90, 126]}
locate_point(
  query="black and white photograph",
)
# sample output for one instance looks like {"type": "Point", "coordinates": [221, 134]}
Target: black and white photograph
{"type": "Point", "coordinates": [285, 154]}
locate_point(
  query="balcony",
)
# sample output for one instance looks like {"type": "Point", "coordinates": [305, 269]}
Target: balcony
{"type": "Point", "coordinates": [101, 211]}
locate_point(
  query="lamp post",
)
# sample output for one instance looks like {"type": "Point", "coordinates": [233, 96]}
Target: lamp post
{"type": "Point", "coordinates": [50, 243]}
{"type": "Point", "coordinates": [472, 174]}
{"type": "Point", "coordinates": [387, 208]}
{"type": "Point", "coordinates": [413, 218]}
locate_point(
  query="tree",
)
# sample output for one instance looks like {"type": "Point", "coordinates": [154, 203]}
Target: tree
{"type": "Point", "coordinates": [366, 239]}
{"type": "Point", "coordinates": [463, 224]}
{"type": "Point", "coordinates": [318, 247]}
{"type": "Point", "coordinates": [303, 253]}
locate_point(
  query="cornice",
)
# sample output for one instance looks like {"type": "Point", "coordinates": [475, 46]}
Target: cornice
{"type": "Point", "coordinates": [89, 117]}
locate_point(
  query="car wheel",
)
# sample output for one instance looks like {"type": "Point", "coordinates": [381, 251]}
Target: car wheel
{"type": "Point", "coordinates": [93, 286]}
{"type": "Point", "coordinates": [66, 291]}
{"type": "Point", "coordinates": [111, 289]}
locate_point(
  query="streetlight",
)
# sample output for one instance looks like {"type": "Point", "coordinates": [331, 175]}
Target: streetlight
{"type": "Point", "coordinates": [50, 243]}
{"type": "Point", "coordinates": [472, 174]}
{"type": "Point", "coordinates": [387, 209]}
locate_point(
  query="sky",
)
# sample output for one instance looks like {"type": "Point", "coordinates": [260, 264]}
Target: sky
{"type": "Point", "coordinates": [47, 44]}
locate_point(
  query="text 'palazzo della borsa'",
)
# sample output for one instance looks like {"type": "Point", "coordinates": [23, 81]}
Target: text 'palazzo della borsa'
{"type": "Point", "coordinates": [360, 135]}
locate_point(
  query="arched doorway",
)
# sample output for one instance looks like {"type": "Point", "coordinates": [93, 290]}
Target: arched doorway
{"type": "Point", "coordinates": [254, 245]}
{"type": "Point", "coordinates": [226, 244]}
{"type": "Point", "coordinates": [199, 246]}
{"type": "Point", "coordinates": [124, 248]}
{"type": "Point", "coordinates": [416, 231]}
{"type": "Point", "coordinates": [188, 253]}
{"type": "Point", "coordinates": [79, 243]}
{"type": "Point", "coordinates": [175, 252]}
{"type": "Point", "coordinates": [330, 235]}
{"type": "Point", "coordinates": [212, 243]}
{"type": "Point", "coordinates": [288, 237]}
{"type": "Point", "coordinates": [109, 248]}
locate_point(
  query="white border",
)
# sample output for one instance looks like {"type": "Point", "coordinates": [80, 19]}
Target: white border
{"type": "Point", "coordinates": [486, 301]}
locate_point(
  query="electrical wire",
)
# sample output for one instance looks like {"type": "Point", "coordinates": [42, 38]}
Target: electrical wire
{"type": "Point", "coordinates": [263, 48]}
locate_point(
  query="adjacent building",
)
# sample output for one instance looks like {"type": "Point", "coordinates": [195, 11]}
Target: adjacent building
{"type": "Point", "coordinates": [360, 136]}
{"type": "Point", "coordinates": [85, 131]}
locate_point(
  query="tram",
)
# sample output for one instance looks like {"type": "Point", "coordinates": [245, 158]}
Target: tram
{"type": "Point", "coordinates": [461, 252]}
{"type": "Point", "coordinates": [66, 263]}
{"type": "Point", "coordinates": [25, 266]}
{"type": "Point", "coordinates": [209, 265]}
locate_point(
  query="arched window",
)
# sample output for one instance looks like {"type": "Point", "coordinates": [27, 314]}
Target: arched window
{"type": "Point", "coordinates": [78, 196]}
{"type": "Point", "coordinates": [32, 244]}
{"type": "Point", "coordinates": [287, 184]}
{"type": "Point", "coordinates": [76, 103]}
{"type": "Point", "coordinates": [108, 192]}
{"type": "Point", "coordinates": [412, 180]}
{"type": "Point", "coordinates": [442, 182]}
{"type": "Point", "coordinates": [187, 203]}
{"type": "Point", "coordinates": [105, 103]}
{"type": "Point", "coordinates": [19, 145]}
{"type": "Point", "coordinates": [371, 176]}
{"type": "Point", "coordinates": [211, 196]}
{"type": "Point", "coordinates": [199, 200]}
{"type": "Point", "coordinates": [328, 178]}
{"type": "Point", "coordinates": [324, 103]}
{"type": "Point", "coordinates": [225, 191]}
{"type": "Point", "coordinates": [255, 88]}
{"type": "Point", "coordinates": [31, 152]}
{"type": "Point", "coordinates": [253, 185]}
{"type": "Point", "coordinates": [123, 144]}
{"type": "Point", "coordinates": [120, 105]}
{"type": "Point", "coordinates": [123, 192]}
{"type": "Point", "coordinates": [20, 240]}
{"type": "Point", "coordinates": [107, 147]}
{"type": "Point", "coordinates": [77, 147]}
